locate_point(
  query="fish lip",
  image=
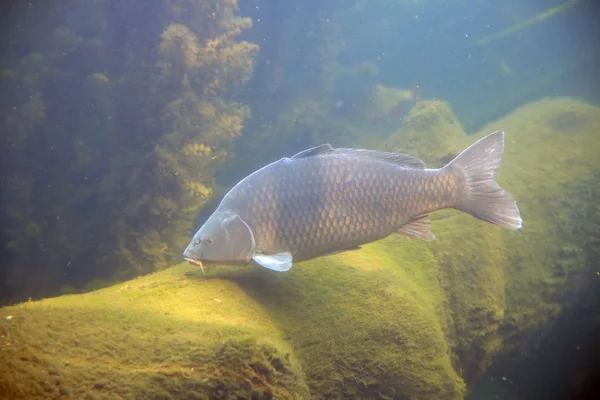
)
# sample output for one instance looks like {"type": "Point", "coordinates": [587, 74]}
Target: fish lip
{"type": "Point", "coordinates": [193, 260]}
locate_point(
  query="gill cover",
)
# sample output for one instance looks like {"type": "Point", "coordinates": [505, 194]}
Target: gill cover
{"type": "Point", "coordinates": [241, 241]}
{"type": "Point", "coordinates": [224, 238]}
{"type": "Point", "coordinates": [240, 238]}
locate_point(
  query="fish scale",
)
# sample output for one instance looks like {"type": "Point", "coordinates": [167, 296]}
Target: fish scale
{"type": "Point", "coordinates": [345, 200]}
{"type": "Point", "coordinates": [324, 200]}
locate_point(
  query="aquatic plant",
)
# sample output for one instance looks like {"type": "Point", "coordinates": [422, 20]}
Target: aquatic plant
{"type": "Point", "coordinates": [199, 125]}
{"type": "Point", "coordinates": [110, 169]}
{"type": "Point", "coordinates": [178, 50]}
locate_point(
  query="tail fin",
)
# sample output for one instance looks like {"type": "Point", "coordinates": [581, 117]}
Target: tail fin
{"type": "Point", "coordinates": [484, 198]}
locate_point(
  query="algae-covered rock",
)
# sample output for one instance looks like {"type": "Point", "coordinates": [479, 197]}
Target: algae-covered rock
{"type": "Point", "coordinates": [504, 300]}
{"type": "Point", "coordinates": [552, 166]}
{"type": "Point", "coordinates": [397, 319]}
{"type": "Point", "coordinates": [366, 324]}
{"type": "Point", "coordinates": [167, 335]}
{"type": "Point", "coordinates": [432, 132]}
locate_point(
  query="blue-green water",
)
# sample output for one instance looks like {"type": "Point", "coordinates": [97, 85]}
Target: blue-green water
{"type": "Point", "coordinates": [124, 122]}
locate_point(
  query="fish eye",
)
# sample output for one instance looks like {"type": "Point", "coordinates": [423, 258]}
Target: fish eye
{"type": "Point", "coordinates": [208, 240]}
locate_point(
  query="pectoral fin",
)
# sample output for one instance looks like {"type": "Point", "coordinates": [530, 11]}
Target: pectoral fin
{"type": "Point", "coordinates": [418, 229]}
{"type": "Point", "coordinates": [277, 262]}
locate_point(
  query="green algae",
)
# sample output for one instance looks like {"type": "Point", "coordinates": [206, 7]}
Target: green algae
{"type": "Point", "coordinates": [397, 319]}
{"type": "Point", "coordinates": [161, 336]}
{"type": "Point", "coordinates": [430, 131]}
{"type": "Point", "coordinates": [361, 326]}
{"type": "Point", "coordinates": [554, 143]}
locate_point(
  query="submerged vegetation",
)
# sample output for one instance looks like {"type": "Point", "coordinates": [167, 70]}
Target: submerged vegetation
{"type": "Point", "coordinates": [117, 123]}
{"type": "Point", "coordinates": [399, 318]}
{"type": "Point", "coordinates": [158, 336]}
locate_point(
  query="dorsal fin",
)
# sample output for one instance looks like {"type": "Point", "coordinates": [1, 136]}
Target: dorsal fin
{"type": "Point", "coordinates": [313, 151]}
{"type": "Point", "coordinates": [403, 160]}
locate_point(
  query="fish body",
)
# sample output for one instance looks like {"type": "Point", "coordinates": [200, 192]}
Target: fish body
{"type": "Point", "coordinates": [325, 200]}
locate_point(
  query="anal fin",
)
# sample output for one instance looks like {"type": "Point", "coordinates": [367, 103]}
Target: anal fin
{"type": "Point", "coordinates": [419, 228]}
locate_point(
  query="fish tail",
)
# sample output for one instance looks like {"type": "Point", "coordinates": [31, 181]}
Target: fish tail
{"type": "Point", "coordinates": [483, 198]}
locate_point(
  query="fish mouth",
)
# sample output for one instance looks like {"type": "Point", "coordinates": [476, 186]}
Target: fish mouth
{"type": "Point", "coordinates": [197, 262]}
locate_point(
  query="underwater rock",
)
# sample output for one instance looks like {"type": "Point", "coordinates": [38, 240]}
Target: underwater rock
{"type": "Point", "coordinates": [398, 319]}
{"type": "Point", "coordinates": [550, 164]}
{"type": "Point", "coordinates": [431, 131]}
{"type": "Point", "coordinates": [381, 102]}
{"type": "Point", "coordinates": [166, 335]}
{"type": "Point", "coordinates": [553, 170]}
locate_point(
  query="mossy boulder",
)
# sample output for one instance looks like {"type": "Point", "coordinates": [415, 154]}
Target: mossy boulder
{"type": "Point", "coordinates": [162, 336]}
{"type": "Point", "coordinates": [552, 166]}
{"type": "Point", "coordinates": [430, 131]}
{"type": "Point", "coordinates": [397, 319]}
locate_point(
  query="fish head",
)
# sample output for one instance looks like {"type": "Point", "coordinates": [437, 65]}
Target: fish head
{"type": "Point", "coordinates": [224, 238]}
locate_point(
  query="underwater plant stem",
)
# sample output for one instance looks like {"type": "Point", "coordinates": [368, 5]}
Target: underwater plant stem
{"type": "Point", "coordinates": [524, 24]}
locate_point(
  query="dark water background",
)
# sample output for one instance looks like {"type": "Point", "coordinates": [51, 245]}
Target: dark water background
{"type": "Point", "coordinates": [84, 190]}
